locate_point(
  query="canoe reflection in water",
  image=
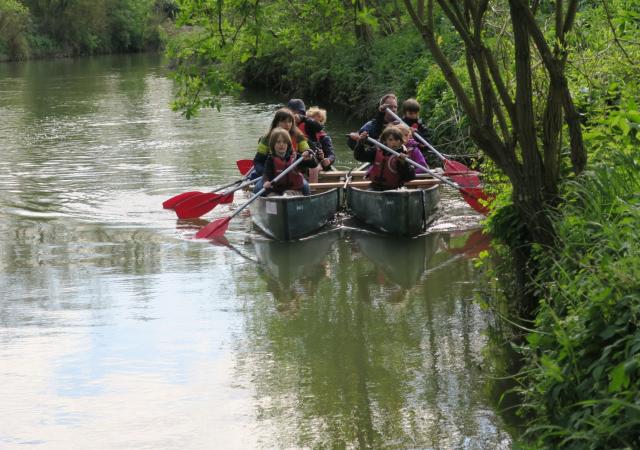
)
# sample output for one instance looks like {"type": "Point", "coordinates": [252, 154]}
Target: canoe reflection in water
{"type": "Point", "coordinates": [383, 267]}
{"type": "Point", "coordinates": [294, 269]}
{"type": "Point", "coordinates": [402, 260]}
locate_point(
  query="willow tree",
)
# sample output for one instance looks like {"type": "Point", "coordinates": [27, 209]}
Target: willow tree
{"type": "Point", "coordinates": [519, 125]}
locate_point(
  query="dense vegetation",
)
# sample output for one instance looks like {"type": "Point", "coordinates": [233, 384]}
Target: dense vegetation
{"type": "Point", "coordinates": [38, 28]}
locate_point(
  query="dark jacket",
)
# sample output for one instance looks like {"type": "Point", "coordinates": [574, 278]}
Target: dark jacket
{"type": "Point", "coordinates": [309, 126]}
{"type": "Point", "coordinates": [323, 141]}
{"type": "Point", "coordinates": [374, 127]}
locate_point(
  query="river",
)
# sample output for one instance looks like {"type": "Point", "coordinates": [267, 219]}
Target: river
{"type": "Point", "coordinates": [118, 330]}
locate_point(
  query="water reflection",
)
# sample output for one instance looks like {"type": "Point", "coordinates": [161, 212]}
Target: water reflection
{"type": "Point", "coordinates": [403, 261]}
{"type": "Point", "coordinates": [293, 270]}
{"type": "Point", "coordinates": [348, 350]}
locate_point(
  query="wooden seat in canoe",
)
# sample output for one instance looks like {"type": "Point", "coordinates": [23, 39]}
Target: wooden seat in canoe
{"type": "Point", "coordinates": [363, 184]}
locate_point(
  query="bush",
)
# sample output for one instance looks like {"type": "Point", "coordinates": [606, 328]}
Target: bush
{"type": "Point", "coordinates": [581, 381]}
{"type": "Point", "coordinates": [14, 24]}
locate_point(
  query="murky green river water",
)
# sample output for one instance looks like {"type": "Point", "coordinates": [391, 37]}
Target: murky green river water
{"type": "Point", "coordinates": [118, 330]}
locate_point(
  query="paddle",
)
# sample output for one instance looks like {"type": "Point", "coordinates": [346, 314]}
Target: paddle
{"type": "Point", "coordinates": [175, 200]}
{"type": "Point", "coordinates": [244, 165]}
{"type": "Point", "coordinates": [219, 227]}
{"type": "Point", "coordinates": [460, 173]}
{"type": "Point", "coordinates": [199, 205]}
{"type": "Point", "coordinates": [472, 195]}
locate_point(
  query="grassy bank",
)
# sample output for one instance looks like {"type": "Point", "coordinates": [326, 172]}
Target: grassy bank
{"type": "Point", "coordinates": [579, 385]}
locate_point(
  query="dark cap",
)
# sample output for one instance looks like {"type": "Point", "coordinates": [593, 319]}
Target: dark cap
{"type": "Point", "coordinates": [297, 105]}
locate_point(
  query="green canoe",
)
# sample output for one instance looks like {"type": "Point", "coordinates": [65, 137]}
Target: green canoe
{"type": "Point", "coordinates": [404, 212]}
{"type": "Point", "coordinates": [287, 218]}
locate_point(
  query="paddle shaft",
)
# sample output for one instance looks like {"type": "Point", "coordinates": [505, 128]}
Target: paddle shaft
{"type": "Point", "coordinates": [240, 186]}
{"type": "Point", "coordinates": [231, 184]}
{"type": "Point", "coordinates": [420, 138]}
{"type": "Point", "coordinates": [413, 163]}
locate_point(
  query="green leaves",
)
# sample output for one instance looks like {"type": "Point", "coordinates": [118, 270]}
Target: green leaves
{"type": "Point", "coordinates": [583, 362]}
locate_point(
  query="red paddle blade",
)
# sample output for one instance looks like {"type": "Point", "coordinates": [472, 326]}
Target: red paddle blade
{"type": "Point", "coordinates": [173, 201]}
{"type": "Point", "coordinates": [215, 229]}
{"type": "Point", "coordinates": [244, 165]}
{"type": "Point", "coordinates": [473, 196]}
{"type": "Point", "coordinates": [197, 205]}
{"type": "Point", "coordinates": [224, 199]}
{"type": "Point", "coordinates": [461, 174]}
{"type": "Point", "coordinates": [201, 204]}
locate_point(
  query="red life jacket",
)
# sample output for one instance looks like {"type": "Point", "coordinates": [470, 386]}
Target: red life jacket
{"type": "Point", "coordinates": [301, 127]}
{"type": "Point", "coordinates": [385, 170]}
{"type": "Point", "coordinates": [293, 179]}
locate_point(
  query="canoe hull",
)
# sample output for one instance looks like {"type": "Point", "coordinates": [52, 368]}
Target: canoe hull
{"type": "Point", "coordinates": [404, 212]}
{"type": "Point", "coordinates": [288, 218]}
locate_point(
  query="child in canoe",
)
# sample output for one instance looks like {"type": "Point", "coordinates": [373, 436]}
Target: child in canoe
{"type": "Point", "coordinates": [322, 140]}
{"type": "Point", "coordinates": [284, 119]}
{"type": "Point", "coordinates": [305, 123]}
{"type": "Point", "coordinates": [387, 171]}
{"type": "Point", "coordinates": [411, 116]}
{"type": "Point", "coordinates": [413, 150]}
{"type": "Point", "coordinates": [280, 157]}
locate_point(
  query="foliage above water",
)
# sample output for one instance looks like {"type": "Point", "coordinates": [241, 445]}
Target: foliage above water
{"type": "Point", "coordinates": [31, 28]}
{"type": "Point", "coordinates": [582, 378]}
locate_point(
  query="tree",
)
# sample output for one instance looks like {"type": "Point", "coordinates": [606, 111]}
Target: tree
{"type": "Point", "coordinates": [14, 23]}
{"type": "Point", "coordinates": [517, 123]}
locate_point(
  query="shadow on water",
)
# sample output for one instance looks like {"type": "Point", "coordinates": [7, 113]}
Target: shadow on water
{"type": "Point", "coordinates": [365, 341]}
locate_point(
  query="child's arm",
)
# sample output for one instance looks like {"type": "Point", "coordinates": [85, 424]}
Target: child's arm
{"type": "Point", "coordinates": [308, 160]}
{"type": "Point", "coordinates": [261, 156]}
{"type": "Point", "coordinates": [407, 171]}
{"type": "Point", "coordinates": [327, 149]}
{"type": "Point", "coordinates": [269, 172]}
{"type": "Point", "coordinates": [416, 155]}
{"type": "Point", "coordinates": [361, 152]}
{"type": "Point", "coordinates": [303, 146]}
